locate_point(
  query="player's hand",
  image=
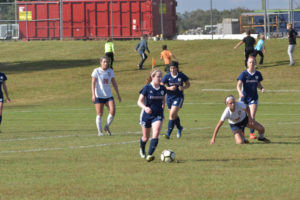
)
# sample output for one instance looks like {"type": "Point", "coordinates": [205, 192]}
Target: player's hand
{"type": "Point", "coordinates": [250, 121]}
{"type": "Point", "coordinates": [120, 99]}
{"type": "Point", "coordinates": [212, 141]}
{"type": "Point", "coordinates": [241, 95]}
{"type": "Point", "coordinates": [148, 110]}
{"type": "Point", "coordinates": [93, 98]}
{"type": "Point", "coordinates": [263, 90]}
{"type": "Point", "coordinates": [180, 88]}
{"type": "Point", "coordinates": [8, 100]}
{"type": "Point", "coordinates": [172, 88]}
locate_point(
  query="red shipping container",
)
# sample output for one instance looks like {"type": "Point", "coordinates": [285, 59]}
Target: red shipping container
{"type": "Point", "coordinates": [91, 19]}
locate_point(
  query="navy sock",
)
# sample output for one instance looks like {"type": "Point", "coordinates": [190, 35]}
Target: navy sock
{"type": "Point", "coordinates": [0, 119]}
{"type": "Point", "coordinates": [170, 127]}
{"type": "Point", "coordinates": [177, 123]}
{"type": "Point", "coordinates": [251, 130]}
{"type": "Point", "coordinates": [153, 145]}
{"type": "Point", "coordinates": [142, 145]}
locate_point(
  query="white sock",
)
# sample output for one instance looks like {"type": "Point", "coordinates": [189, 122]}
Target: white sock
{"type": "Point", "coordinates": [99, 123]}
{"type": "Point", "coordinates": [261, 136]}
{"type": "Point", "coordinates": [110, 119]}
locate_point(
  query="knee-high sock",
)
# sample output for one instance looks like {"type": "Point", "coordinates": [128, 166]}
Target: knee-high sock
{"type": "Point", "coordinates": [0, 119]}
{"type": "Point", "coordinates": [153, 145]}
{"type": "Point", "coordinates": [170, 127]}
{"type": "Point", "coordinates": [143, 145]}
{"type": "Point", "coordinates": [177, 123]}
{"type": "Point", "coordinates": [99, 123]}
{"type": "Point", "coordinates": [110, 119]}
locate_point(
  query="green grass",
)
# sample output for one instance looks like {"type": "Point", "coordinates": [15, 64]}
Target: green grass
{"type": "Point", "coordinates": [48, 143]}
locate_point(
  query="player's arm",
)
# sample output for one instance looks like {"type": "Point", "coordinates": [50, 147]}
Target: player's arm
{"type": "Point", "coordinates": [164, 102]}
{"type": "Point", "coordinates": [115, 85]}
{"type": "Point", "coordinates": [213, 139]}
{"type": "Point", "coordinates": [93, 88]}
{"type": "Point", "coordinates": [239, 88]}
{"type": "Point", "coordinates": [238, 44]}
{"type": "Point", "coordinates": [264, 48]}
{"type": "Point", "coordinates": [142, 105]}
{"type": "Point", "coordinates": [6, 92]}
{"type": "Point", "coordinates": [259, 85]}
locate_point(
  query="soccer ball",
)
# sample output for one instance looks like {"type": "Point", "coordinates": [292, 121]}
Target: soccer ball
{"type": "Point", "coordinates": [167, 156]}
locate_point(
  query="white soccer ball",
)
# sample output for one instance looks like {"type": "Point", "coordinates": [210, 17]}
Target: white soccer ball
{"type": "Point", "coordinates": [167, 156]}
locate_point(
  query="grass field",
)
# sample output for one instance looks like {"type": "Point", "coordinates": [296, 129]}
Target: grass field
{"type": "Point", "coordinates": [48, 143]}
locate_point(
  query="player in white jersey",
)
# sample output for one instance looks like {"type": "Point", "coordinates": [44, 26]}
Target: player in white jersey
{"type": "Point", "coordinates": [101, 93]}
{"type": "Point", "coordinates": [238, 115]}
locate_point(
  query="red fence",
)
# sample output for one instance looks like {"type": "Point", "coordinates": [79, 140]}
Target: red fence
{"type": "Point", "coordinates": [95, 19]}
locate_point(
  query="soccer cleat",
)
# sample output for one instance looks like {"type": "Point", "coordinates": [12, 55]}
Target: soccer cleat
{"type": "Point", "coordinates": [265, 140]}
{"type": "Point", "coordinates": [100, 134]}
{"type": "Point", "coordinates": [106, 129]}
{"type": "Point", "coordinates": [167, 136]}
{"type": "Point", "coordinates": [142, 153]}
{"type": "Point", "coordinates": [150, 158]}
{"type": "Point", "coordinates": [179, 132]}
{"type": "Point", "coordinates": [252, 136]}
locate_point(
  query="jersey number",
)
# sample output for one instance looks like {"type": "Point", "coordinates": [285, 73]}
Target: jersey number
{"type": "Point", "coordinates": [105, 81]}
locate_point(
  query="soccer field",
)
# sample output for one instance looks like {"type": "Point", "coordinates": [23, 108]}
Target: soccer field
{"type": "Point", "coordinates": [49, 148]}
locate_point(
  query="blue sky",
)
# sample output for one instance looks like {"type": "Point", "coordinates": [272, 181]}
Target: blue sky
{"type": "Point", "coordinates": [190, 5]}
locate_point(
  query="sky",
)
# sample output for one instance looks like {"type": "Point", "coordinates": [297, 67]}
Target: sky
{"type": "Point", "coordinates": [191, 5]}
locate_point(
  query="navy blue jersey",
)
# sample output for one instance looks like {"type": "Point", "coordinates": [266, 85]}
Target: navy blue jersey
{"type": "Point", "coordinates": [154, 98]}
{"type": "Point", "coordinates": [2, 79]}
{"type": "Point", "coordinates": [250, 83]}
{"type": "Point", "coordinates": [178, 80]}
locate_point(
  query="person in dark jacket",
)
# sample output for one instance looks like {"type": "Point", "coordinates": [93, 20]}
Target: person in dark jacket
{"type": "Point", "coordinates": [292, 34]}
{"type": "Point", "coordinates": [249, 46]}
{"type": "Point", "coordinates": [141, 48]}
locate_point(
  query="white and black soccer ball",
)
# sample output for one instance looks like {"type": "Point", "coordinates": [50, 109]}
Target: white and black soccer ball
{"type": "Point", "coordinates": [167, 156]}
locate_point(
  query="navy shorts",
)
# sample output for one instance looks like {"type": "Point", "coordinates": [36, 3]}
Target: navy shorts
{"type": "Point", "coordinates": [1, 98]}
{"type": "Point", "coordinates": [175, 101]}
{"type": "Point", "coordinates": [249, 100]}
{"type": "Point", "coordinates": [240, 125]}
{"type": "Point", "coordinates": [103, 100]}
{"type": "Point", "coordinates": [147, 120]}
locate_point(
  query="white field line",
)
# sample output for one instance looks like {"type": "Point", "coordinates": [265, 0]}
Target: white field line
{"type": "Point", "coordinates": [232, 90]}
{"type": "Point", "coordinates": [83, 135]}
{"type": "Point", "coordinates": [66, 148]}
{"type": "Point", "coordinates": [88, 146]}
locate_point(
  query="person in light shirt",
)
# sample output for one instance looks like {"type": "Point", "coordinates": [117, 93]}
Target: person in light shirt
{"type": "Point", "coordinates": [239, 117]}
{"type": "Point", "coordinates": [102, 77]}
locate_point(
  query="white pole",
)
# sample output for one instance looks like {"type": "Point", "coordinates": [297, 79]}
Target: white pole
{"type": "Point", "coordinates": [61, 20]}
{"type": "Point", "coordinates": [211, 20]}
{"type": "Point", "coordinates": [111, 19]}
{"type": "Point", "coordinates": [161, 20]}
{"type": "Point", "coordinates": [265, 19]}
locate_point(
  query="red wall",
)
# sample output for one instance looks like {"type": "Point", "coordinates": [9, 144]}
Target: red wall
{"type": "Point", "coordinates": [92, 19]}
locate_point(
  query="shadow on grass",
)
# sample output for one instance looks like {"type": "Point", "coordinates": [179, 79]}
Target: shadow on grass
{"type": "Point", "coordinates": [27, 66]}
{"type": "Point", "coordinates": [275, 64]}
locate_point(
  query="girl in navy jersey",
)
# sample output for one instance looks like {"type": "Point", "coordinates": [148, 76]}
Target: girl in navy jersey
{"type": "Point", "coordinates": [152, 101]}
{"type": "Point", "coordinates": [101, 93]}
{"type": "Point", "coordinates": [238, 115]}
{"type": "Point", "coordinates": [248, 82]}
{"type": "Point", "coordinates": [175, 83]}
{"type": "Point", "coordinates": [3, 78]}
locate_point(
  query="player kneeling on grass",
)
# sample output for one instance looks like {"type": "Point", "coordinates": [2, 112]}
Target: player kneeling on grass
{"type": "Point", "coordinates": [152, 102]}
{"type": "Point", "coordinates": [238, 115]}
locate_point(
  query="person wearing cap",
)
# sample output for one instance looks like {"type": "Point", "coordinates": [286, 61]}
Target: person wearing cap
{"type": "Point", "coordinates": [238, 115]}
{"type": "Point", "coordinates": [176, 82]}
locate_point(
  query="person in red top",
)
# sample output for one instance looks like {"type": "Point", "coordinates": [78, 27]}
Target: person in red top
{"type": "Point", "coordinates": [167, 56]}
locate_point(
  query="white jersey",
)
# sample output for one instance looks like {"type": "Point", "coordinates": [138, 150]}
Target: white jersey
{"type": "Point", "coordinates": [234, 117]}
{"type": "Point", "coordinates": [102, 88]}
